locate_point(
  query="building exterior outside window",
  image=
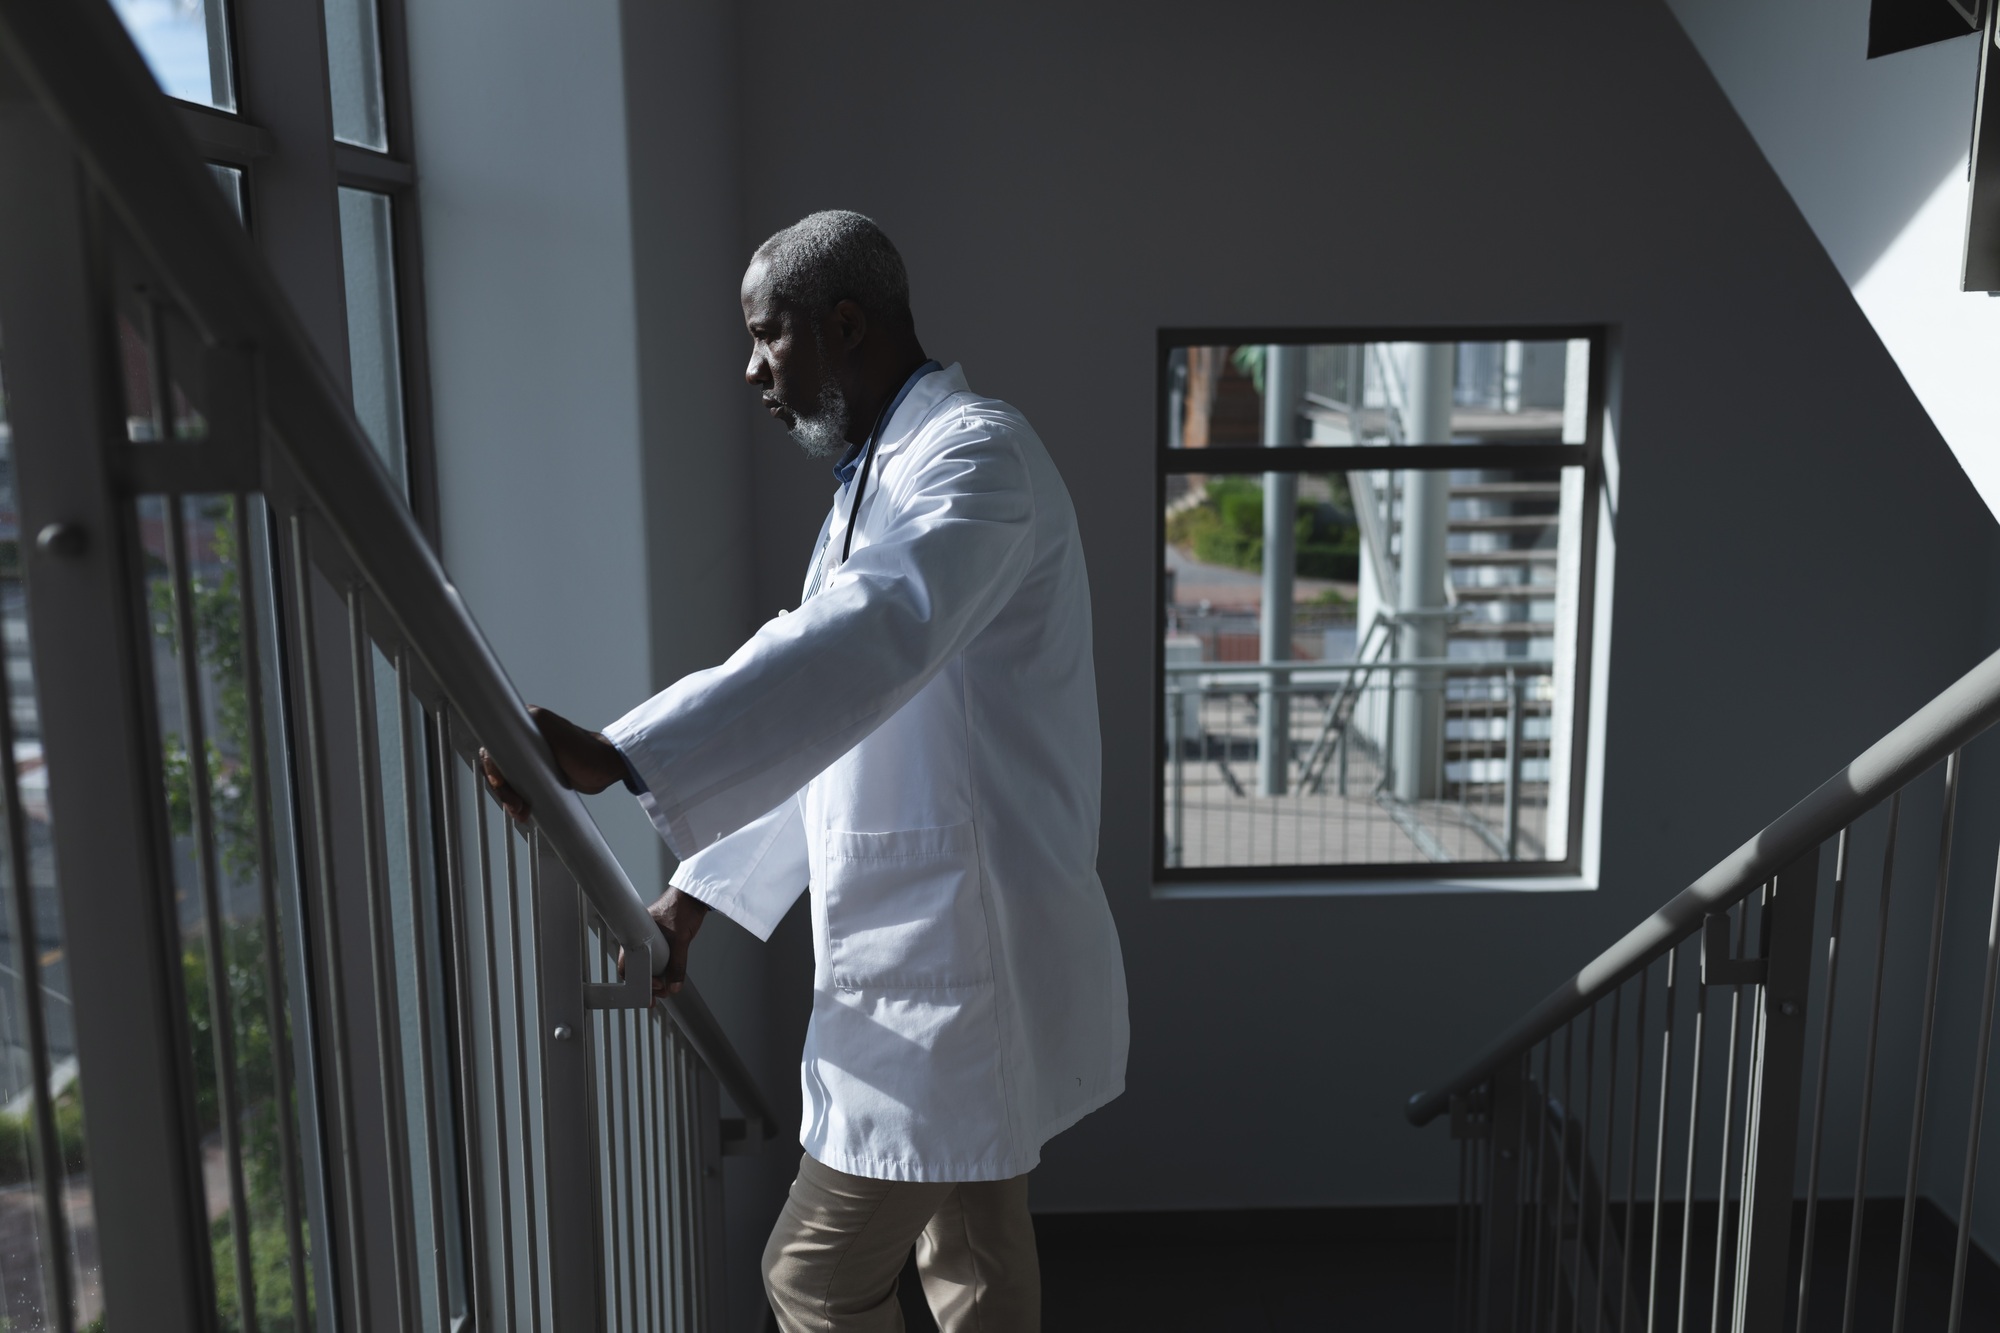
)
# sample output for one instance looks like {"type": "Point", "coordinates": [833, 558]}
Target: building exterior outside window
{"type": "Point", "coordinates": [1374, 602]}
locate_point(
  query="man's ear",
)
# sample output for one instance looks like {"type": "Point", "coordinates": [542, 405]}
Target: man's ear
{"type": "Point", "coordinates": [850, 321]}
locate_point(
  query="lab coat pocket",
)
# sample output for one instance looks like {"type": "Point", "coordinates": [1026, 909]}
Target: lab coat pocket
{"type": "Point", "coordinates": [903, 910]}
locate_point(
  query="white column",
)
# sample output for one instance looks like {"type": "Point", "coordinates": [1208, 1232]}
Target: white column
{"type": "Point", "coordinates": [1284, 387]}
{"type": "Point", "coordinates": [1418, 755]}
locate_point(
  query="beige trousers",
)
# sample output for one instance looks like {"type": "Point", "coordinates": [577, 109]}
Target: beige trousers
{"type": "Point", "coordinates": [839, 1245]}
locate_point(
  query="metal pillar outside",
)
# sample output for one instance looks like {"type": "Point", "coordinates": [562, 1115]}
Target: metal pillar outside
{"type": "Point", "coordinates": [1420, 596]}
{"type": "Point", "coordinates": [1284, 386]}
{"type": "Point", "coordinates": [1772, 1135]}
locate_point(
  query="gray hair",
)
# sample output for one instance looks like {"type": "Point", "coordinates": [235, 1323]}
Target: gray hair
{"type": "Point", "coordinates": [826, 258]}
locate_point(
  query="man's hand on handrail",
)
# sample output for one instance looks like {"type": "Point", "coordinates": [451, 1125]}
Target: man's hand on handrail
{"type": "Point", "coordinates": [588, 763]}
{"type": "Point", "coordinates": [679, 917]}
{"type": "Point", "coordinates": [585, 761]}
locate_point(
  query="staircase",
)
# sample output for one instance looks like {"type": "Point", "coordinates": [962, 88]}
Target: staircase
{"type": "Point", "coordinates": [1697, 1128]}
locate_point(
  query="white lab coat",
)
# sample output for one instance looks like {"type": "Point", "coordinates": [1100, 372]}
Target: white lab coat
{"type": "Point", "coordinates": [918, 742]}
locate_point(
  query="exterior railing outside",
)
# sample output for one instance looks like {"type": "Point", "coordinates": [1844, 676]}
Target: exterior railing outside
{"type": "Point", "coordinates": [1652, 1147]}
{"type": "Point", "coordinates": [1481, 795]}
{"type": "Point", "coordinates": [365, 1061]}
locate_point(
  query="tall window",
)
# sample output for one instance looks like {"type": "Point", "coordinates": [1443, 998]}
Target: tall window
{"type": "Point", "coordinates": [346, 219]}
{"type": "Point", "coordinates": [301, 110]}
{"type": "Point", "coordinates": [1374, 599]}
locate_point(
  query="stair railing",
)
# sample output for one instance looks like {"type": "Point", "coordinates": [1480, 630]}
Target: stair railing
{"type": "Point", "coordinates": [263, 703]}
{"type": "Point", "coordinates": [1629, 1148]}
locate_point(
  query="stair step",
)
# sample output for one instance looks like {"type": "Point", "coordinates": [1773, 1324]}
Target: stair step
{"type": "Point", "coordinates": [1540, 555]}
{"type": "Point", "coordinates": [1501, 592]}
{"type": "Point", "coordinates": [1503, 523]}
{"type": "Point", "coordinates": [1497, 490]}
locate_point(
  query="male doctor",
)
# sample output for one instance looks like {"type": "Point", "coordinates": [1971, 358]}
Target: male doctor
{"type": "Point", "coordinates": [918, 744]}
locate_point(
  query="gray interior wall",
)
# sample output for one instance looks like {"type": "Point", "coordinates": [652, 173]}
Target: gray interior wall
{"type": "Point", "coordinates": [1800, 560]}
{"type": "Point", "coordinates": [680, 97]}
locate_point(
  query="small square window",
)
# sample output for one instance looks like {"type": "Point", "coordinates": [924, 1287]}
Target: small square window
{"type": "Point", "coordinates": [1375, 588]}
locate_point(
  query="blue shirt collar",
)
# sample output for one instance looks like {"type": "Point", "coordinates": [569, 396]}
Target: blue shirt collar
{"type": "Point", "coordinates": [851, 460]}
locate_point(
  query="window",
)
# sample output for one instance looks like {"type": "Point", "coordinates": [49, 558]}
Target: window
{"type": "Point", "coordinates": [314, 162]}
{"type": "Point", "coordinates": [264, 124]}
{"type": "Point", "coordinates": [1374, 602]}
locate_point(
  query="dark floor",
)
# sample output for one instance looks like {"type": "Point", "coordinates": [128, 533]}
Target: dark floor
{"type": "Point", "coordinates": [1364, 1269]}
{"type": "Point", "coordinates": [1353, 1269]}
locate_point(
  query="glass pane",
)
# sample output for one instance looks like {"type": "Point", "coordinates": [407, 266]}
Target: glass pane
{"type": "Point", "coordinates": [1433, 615]}
{"type": "Point", "coordinates": [186, 45]}
{"type": "Point", "coordinates": [1377, 393]}
{"type": "Point", "coordinates": [354, 63]}
{"type": "Point", "coordinates": [368, 252]}
{"type": "Point", "coordinates": [230, 181]}
{"type": "Point", "coordinates": [38, 960]}
{"type": "Point", "coordinates": [161, 360]}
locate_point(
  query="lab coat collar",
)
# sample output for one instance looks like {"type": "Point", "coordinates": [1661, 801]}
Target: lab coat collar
{"type": "Point", "coordinates": [921, 401]}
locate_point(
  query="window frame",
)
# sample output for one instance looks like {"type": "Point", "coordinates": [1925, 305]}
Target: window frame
{"type": "Point", "coordinates": [247, 140]}
{"type": "Point", "coordinates": [1305, 459]}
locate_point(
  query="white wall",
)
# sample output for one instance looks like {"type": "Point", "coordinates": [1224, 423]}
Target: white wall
{"type": "Point", "coordinates": [1874, 153]}
{"type": "Point", "coordinates": [578, 170]}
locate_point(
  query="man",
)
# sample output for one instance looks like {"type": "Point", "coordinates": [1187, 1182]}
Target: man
{"type": "Point", "coordinates": [918, 743]}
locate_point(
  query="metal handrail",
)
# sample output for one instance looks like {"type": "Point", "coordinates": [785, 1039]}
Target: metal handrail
{"type": "Point", "coordinates": [84, 68]}
{"type": "Point", "coordinates": [1961, 712]}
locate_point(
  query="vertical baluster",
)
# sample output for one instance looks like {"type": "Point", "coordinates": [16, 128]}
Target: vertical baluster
{"type": "Point", "coordinates": [413, 820]}
{"type": "Point", "coordinates": [1562, 1178]}
{"type": "Point", "coordinates": [518, 966]}
{"type": "Point", "coordinates": [1868, 1071]}
{"type": "Point", "coordinates": [1582, 1167]}
{"type": "Point", "coordinates": [649, 1029]}
{"type": "Point", "coordinates": [456, 929]}
{"type": "Point", "coordinates": [222, 1015]}
{"type": "Point", "coordinates": [663, 1179]}
{"type": "Point", "coordinates": [540, 1237]}
{"type": "Point", "coordinates": [275, 1008]}
{"type": "Point", "coordinates": [1742, 914]}
{"type": "Point", "coordinates": [1632, 1153]}
{"type": "Point", "coordinates": [1610, 1155]}
{"type": "Point", "coordinates": [1951, 775]}
{"type": "Point", "coordinates": [382, 955]}
{"type": "Point", "coordinates": [1693, 1149]}
{"type": "Point", "coordinates": [1660, 1145]}
{"type": "Point", "coordinates": [1459, 1238]}
{"type": "Point", "coordinates": [335, 976]}
{"type": "Point", "coordinates": [1538, 1133]}
{"type": "Point", "coordinates": [51, 1220]}
{"type": "Point", "coordinates": [1819, 1078]}
{"type": "Point", "coordinates": [628, 1112]}
{"type": "Point", "coordinates": [1983, 1053]}
{"type": "Point", "coordinates": [502, 1143]}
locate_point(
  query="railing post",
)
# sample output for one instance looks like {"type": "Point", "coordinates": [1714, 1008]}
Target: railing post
{"type": "Point", "coordinates": [1501, 1252]}
{"type": "Point", "coordinates": [92, 661]}
{"type": "Point", "coordinates": [1764, 1238]}
{"type": "Point", "coordinates": [569, 1124]}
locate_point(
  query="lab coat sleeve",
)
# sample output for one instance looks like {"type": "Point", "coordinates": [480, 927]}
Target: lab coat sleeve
{"type": "Point", "coordinates": [721, 747]}
{"type": "Point", "coordinates": [754, 875]}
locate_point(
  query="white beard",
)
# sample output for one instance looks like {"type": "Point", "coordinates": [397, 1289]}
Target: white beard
{"type": "Point", "coordinates": [824, 433]}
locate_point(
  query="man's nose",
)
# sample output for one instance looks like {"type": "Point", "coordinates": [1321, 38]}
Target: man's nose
{"type": "Point", "coordinates": [758, 371]}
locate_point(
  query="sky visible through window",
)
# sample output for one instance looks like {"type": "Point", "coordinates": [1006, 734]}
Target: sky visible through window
{"type": "Point", "coordinates": [173, 36]}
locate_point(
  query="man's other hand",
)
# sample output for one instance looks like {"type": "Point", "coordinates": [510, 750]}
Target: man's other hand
{"type": "Point", "coordinates": [584, 760]}
{"type": "Point", "coordinates": [679, 917]}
